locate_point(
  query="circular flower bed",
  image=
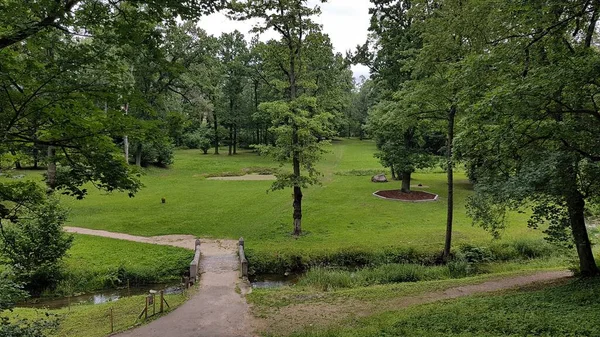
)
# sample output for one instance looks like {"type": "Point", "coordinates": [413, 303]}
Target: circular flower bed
{"type": "Point", "coordinates": [414, 196]}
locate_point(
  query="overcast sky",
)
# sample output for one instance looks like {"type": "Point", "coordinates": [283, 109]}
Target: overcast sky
{"type": "Point", "coordinates": [345, 21]}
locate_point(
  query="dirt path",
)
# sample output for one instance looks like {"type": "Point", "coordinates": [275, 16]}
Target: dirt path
{"type": "Point", "coordinates": [216, 310]}
{"type": "Point", "coordinates": [296, 316]}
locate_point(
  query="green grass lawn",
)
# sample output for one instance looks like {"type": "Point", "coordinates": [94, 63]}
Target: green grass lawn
{"type": "Point", "coordinates": [341, 215]}
{"type": "Point", "coordinates": [564, 310]}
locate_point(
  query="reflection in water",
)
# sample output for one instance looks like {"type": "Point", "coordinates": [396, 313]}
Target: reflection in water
{"type": "Point", "coordinates": [273, 281]}
{"type": "Point", "coordinates": [100, 297]}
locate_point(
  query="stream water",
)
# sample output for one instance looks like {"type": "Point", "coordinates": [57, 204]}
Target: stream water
{"type": "Point", "coordinates": [110, 295]}
{"type": "Point", "coordinates": [273, 280]}
{"type": "Point", "coordinates": [99, 297]}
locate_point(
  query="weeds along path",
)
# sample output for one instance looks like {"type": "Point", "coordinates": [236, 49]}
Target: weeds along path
{"type": "Point", "coordinates": [295, 317]}
{"type": "Point", "coordinates": [216, 310]}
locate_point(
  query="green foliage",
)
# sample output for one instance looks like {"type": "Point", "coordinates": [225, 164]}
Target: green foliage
{"type": "Point", "coordinates": [298, 119]}
{"type": "Point", "coordinates": [201, 139]}
{"type": "Point", "coordinates": [35, 245]}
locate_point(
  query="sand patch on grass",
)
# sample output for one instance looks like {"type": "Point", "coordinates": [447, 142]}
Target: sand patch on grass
{"type": "Point", "coordinates": [248, 177]}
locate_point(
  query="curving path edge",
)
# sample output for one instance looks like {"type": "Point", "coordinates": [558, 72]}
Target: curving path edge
{"type": "Point", "coordinates": [216, 310]}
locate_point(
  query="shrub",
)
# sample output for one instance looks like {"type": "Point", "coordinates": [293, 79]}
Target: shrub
{"type": "Point", "coordinates": [200, 139]}
{"type": "Point", "coordinates": [36, 244]}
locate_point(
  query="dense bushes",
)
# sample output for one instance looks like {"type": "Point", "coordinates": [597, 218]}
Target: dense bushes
{"type": "Point", "coordinates": [34, 246]}
{"type": "Point", "coordinates": [201, 139]}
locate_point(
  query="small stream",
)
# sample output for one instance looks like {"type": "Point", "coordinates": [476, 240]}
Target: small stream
{"type": "Point", "coordinates": [99, 297]}
{"type": "Point", "coordinates": [266, 281]}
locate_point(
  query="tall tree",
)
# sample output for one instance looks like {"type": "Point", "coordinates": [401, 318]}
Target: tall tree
{"type": "Point", "coordinates": [533, 117]}
{"type": "Point", "coordinates": [298, 121]}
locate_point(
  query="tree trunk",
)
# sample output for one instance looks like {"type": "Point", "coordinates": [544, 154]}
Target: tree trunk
{"type": "Point", "coordinates": [406, 182]}
{"type": "Point", "coordinates": [266, 135]}
{"type": "Point", "coordinates": [230, 140]}
{"type": "Point", "coordinates": [297, 190]}
{"type": "Point", "coordinates": [450, 181]}
{"type": "Point", "coordinates": [235, 139]}
{"type": "Point", "coordinates": [17, 163]}
{"type": "Point", "coordinates": [138, 155]}
{"type": "Point", "coordinates": [587, 264]}
{"type": "Point", "coordinates": [51, 173]}
{"type": "Point", "coordinates": [576, 208]}
{"type": "Point", "coordinates": [216, 129]}
{"type": "Point", "coordinates": [126, 148]}
{"type": "Point", "coordinates": [36, 157]}
{"type": "Point", "coordinates": [393, 172]}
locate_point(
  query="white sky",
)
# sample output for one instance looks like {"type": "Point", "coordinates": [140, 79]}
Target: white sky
{"type": "Point", "coordinates": [345, 21]}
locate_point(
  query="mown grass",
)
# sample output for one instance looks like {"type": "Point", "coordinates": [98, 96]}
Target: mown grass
{"type": "Point", "coordinates": [564, 310]}
{"type": "Point", "coordinates": [94, 320]}
{"type": "Point", "coordinates": [343, 223]}
{"type": "Point", "coordinates": [96, 263]}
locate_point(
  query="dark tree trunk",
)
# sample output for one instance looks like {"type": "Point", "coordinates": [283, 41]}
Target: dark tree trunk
{"type": "Point", "coordinates": [230, 140]}
{"type": "Point", "coordinates": [235, 131]}
{"type": "Point", "coordinates": [266, 135]}
{"type": "Point", "coordinates": [17, 163]}
{"type": "Point", "coordinates": [576, 208]}
{"type": "Point", "coordinates": [406, 182]}
{"type": "Point", "coordinates": [138, 155]}
{"type": "Point", "coordinates": [297, 191]}
{"type": "Point", "coordinates": [36, 157]}
{"type": "Point", "coordinates": [450, 181]}
{"type": "Point", "coordinates": [216, 129]}
{"type": "Point", "coordinates": [51, 174]}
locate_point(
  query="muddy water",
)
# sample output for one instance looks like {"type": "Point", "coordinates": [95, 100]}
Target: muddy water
{"type": "Point", "coordinates": [273, 280]}
{"type": "Point", "coordinates": [99, 297]}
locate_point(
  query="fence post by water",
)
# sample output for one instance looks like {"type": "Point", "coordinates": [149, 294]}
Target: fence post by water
{"type": "Point", "coordinates": [195, 264]}
{"type": "Point", "coordinates": [243, 260]}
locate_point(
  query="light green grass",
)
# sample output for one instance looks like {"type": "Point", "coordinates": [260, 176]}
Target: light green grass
{"type": "Point", "coordinates": [340, 216]}
{"type": "Point", "coordinates": [564, 310]}
{"type": "Point", "coordinates": [93, 320]}
{"type": "Point", "coordinates": [95, 263]}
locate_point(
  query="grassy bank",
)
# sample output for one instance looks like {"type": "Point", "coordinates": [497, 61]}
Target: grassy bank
{"type": "Point", "coordinates": [96, 263]}
{"type": "Point", "coordinates": [569, 309]}
{"type": "Point", "coordinates": [94, 320]}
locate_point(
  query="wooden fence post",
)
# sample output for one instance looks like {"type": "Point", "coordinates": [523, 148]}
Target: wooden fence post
{"type": "Point", "coordinates": [162, 299]}
{"type": "Point", "coordinates": [112, 324]}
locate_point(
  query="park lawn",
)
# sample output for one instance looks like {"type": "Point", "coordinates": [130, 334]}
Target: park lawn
{"type": "Point", "coordinates": [93, 320]}
{"type": "Point", "coordinates": [568, 309]}
{"type": "Point", "coordinates": [341, 215]}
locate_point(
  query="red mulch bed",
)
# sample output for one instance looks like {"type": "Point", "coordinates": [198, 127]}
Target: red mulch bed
{"type": "Point", "coordinates": [412, 196]}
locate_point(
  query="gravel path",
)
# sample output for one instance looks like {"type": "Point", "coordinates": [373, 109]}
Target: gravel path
{"type": "Point", "coordinates": [216, 310]}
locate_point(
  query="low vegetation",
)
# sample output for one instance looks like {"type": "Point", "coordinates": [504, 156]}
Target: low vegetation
{"type": "Point", "coordinates": [94, 320]}
{"type": "Point", "coordinates": [548, 311]}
